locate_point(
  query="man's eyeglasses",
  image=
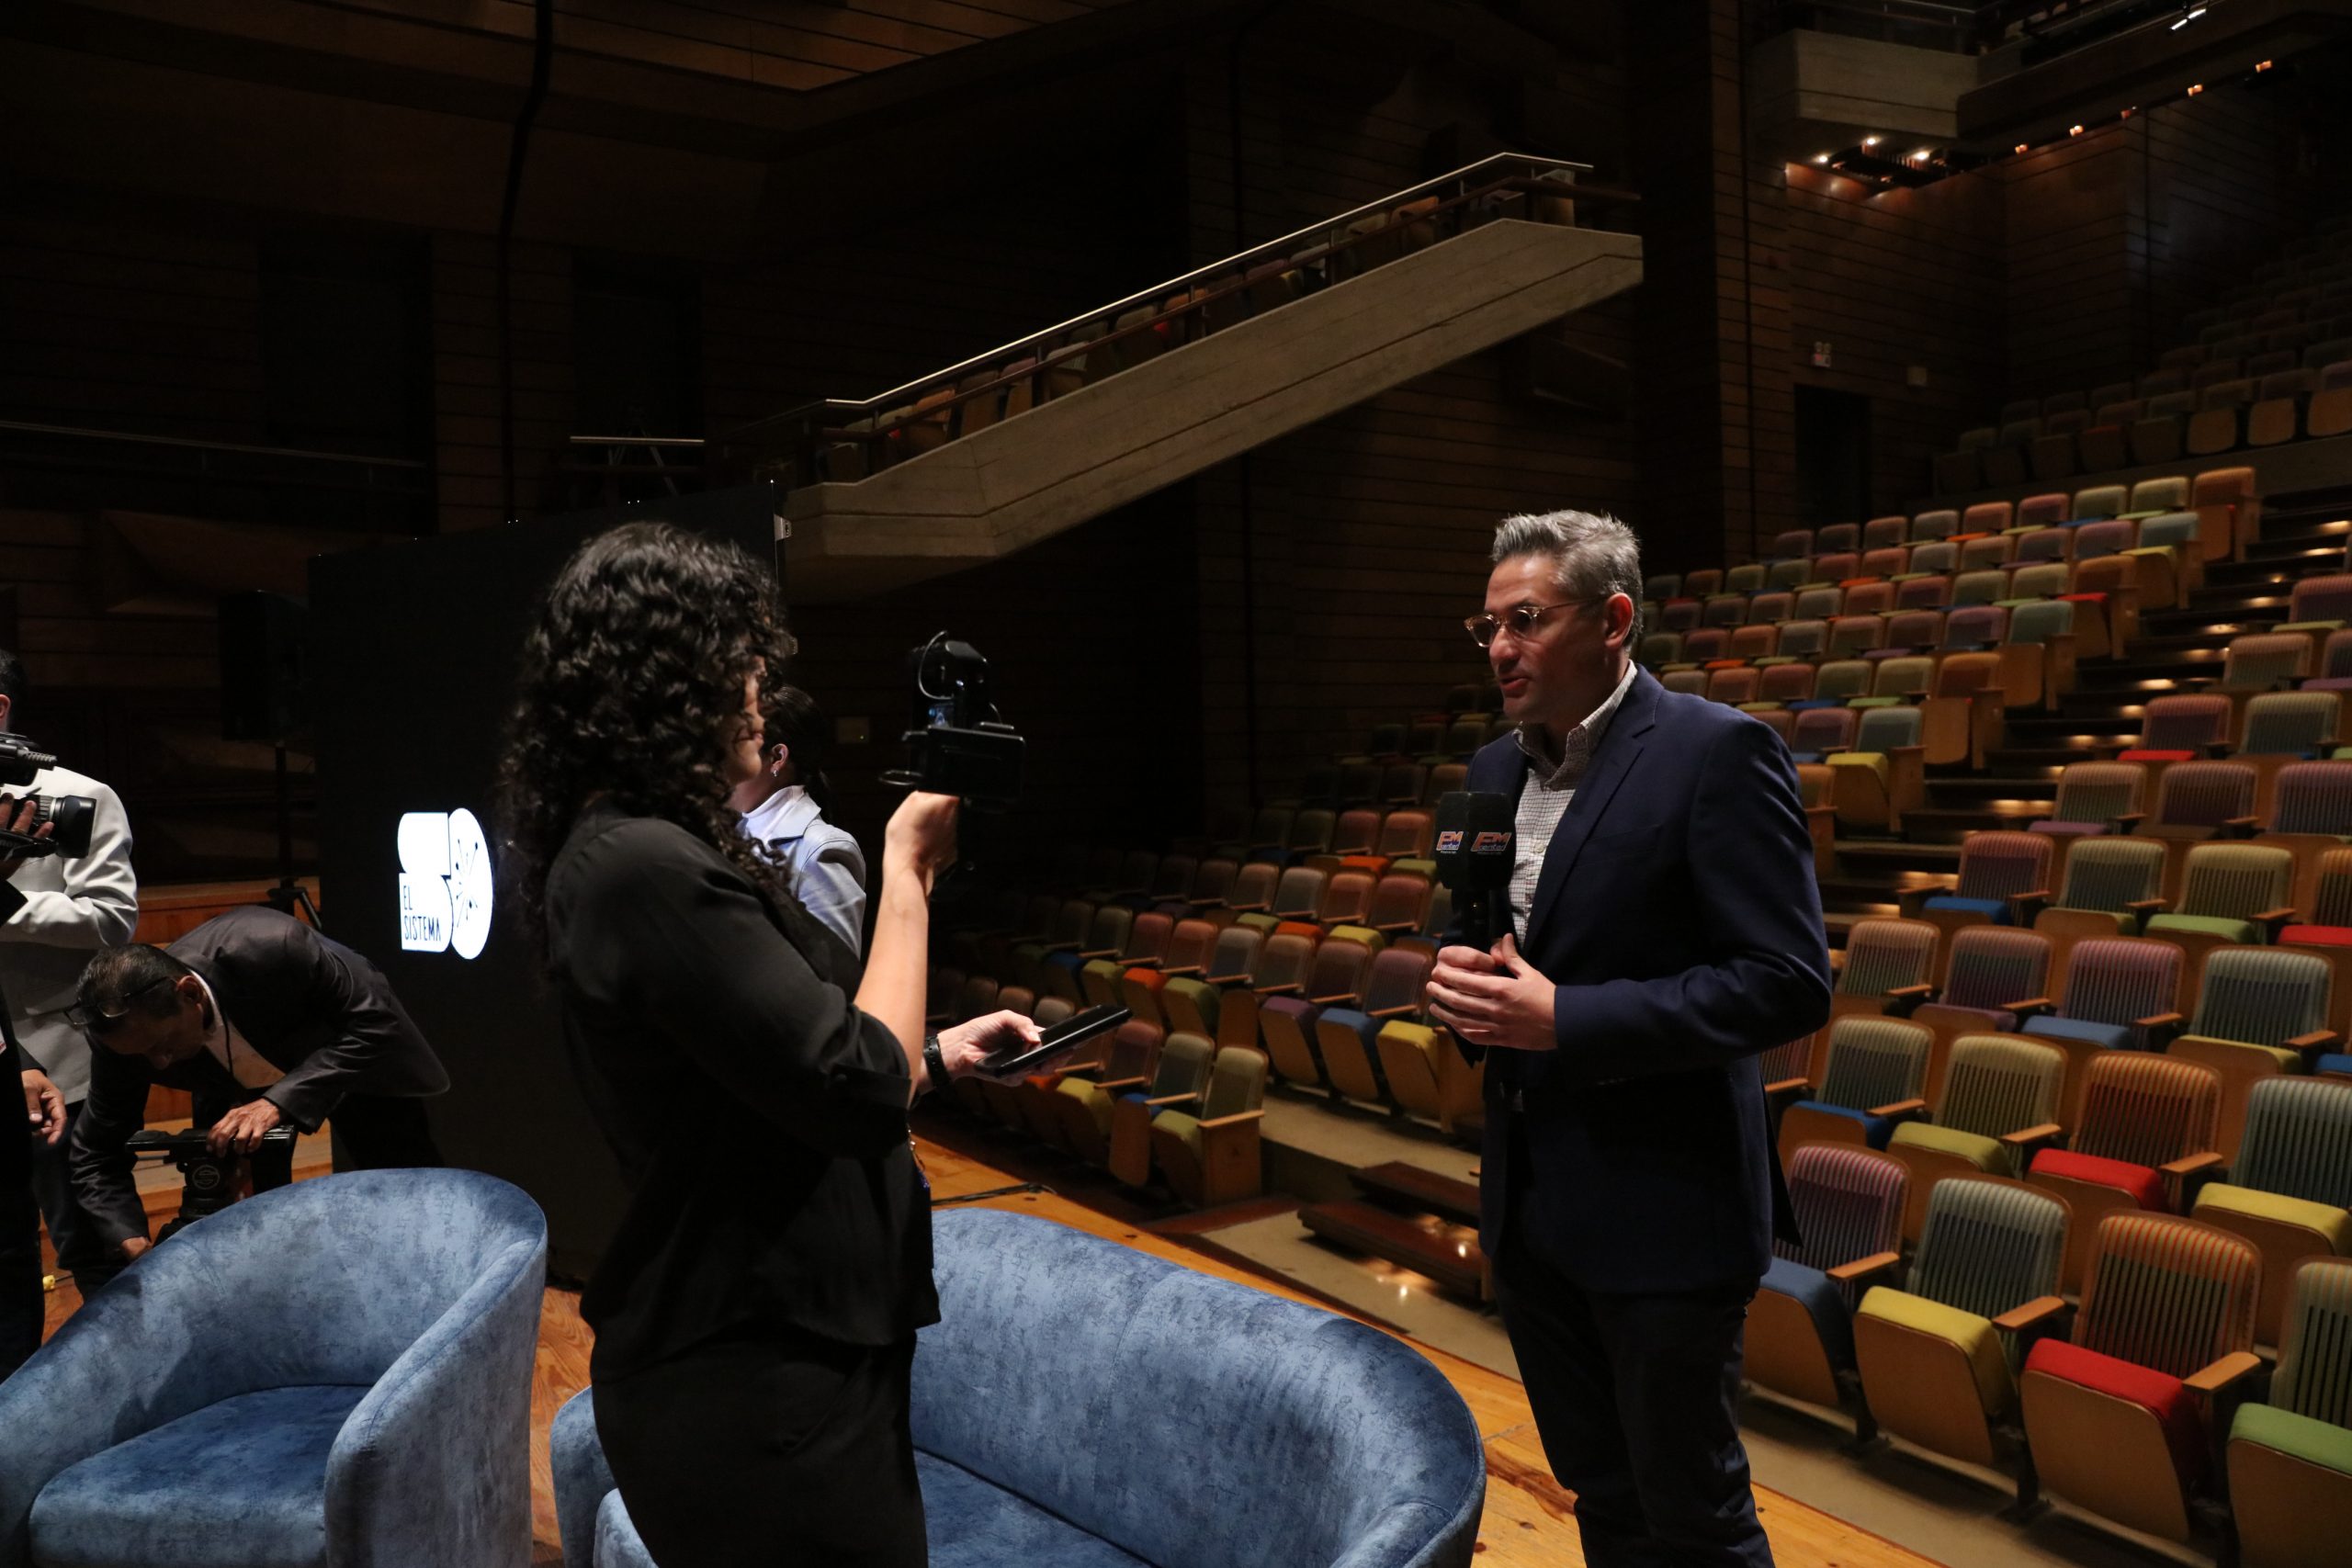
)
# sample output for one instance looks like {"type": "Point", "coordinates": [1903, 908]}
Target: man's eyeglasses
{"type": "Point", "coordinates": [1519, 620]}
{"type": "Point", "coordinates": [90, 1021]}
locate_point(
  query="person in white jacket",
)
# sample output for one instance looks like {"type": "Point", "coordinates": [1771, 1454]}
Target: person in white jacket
{"type": "Point", "coordinates": [54, 913]}
{"type": "Point", "coordinates": [784, 808]}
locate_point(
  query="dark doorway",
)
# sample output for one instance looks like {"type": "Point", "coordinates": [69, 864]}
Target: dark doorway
{"type": "Point", "coordinates": [1833, 456]}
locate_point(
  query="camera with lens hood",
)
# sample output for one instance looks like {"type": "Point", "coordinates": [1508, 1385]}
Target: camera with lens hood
{"type": "Point", "coordinates": [67, 817]}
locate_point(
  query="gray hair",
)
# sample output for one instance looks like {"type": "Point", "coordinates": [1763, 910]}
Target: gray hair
{"type": "Point", "coordinates": [1593, 555]}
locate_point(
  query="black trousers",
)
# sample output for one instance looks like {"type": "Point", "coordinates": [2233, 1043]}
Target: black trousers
{"type": "Point", "coordinates": [80, 1250]}
{"type": "Point", "coordinates": [766, 1446]}
{"type": "Point", "coordinates": [21, 1307]}
{"type": "Point", "coordinates": [1636, 1400]}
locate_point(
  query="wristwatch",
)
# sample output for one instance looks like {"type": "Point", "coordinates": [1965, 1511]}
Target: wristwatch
{"type": "Point", "coordinates": [934, 1062]}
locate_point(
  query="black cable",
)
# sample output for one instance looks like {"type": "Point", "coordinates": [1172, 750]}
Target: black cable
{"type": "Point", "coordinates": [542, 61]}
{"type": "Point", "coordinates": [1017, 1190]}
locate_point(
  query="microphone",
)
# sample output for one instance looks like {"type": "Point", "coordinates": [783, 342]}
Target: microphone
{"type": "Point", "coordinates": [1477, 832]}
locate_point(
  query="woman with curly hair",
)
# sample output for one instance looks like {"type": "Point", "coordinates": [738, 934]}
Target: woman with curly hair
{"type": "Point", "coordinates": [755, 1313]}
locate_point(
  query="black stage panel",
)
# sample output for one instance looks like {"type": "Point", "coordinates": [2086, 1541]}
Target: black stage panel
{"type": "Point", "coordinates": [412, 667]}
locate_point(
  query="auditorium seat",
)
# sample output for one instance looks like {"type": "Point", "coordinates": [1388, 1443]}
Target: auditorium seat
{"type": "Point", "coordinates": [2156, 434]}
{"type": "Point", "coordinates": [2108, 885]}
{"type": "Point", "coordinates": [2000, 1101]}
{"type": "Point", "coordinates": [1333, 976]}
{"type": "Point", "coordinates": [1178, 1080]}
{"type": "Point", "coordinates": [2145, 1133]}
{"type": "Point", "coordinates": [2114, 984]}
{"type": "Point", "coordinates": [2289, 1455]}
{"type": "Point", "coordinates": [2289, 1188]}
{"type": "Point", "coordinates": [1873, 1073]}
{"type": "Point", "coordinates": [1822, 731]}
{"type": "Point", "coordinates": [1347, 1036]}
{"type": "Point", "coordinates": [1883, 774]}
{"type": "Point", "coordinates": [2229, 893]}
{"type": "Point", "coordinates": [2260, 1013]}
{"type": "Point", "coordinates": [2180, 728]}
{"type": "Point", "coordinates": [2094, 798]}
{"type": "Point", "coordinates": [1849, 1208]}
{"type": "Point", "coordinates": [1880, 957]}
{"type": "Point", "coordinates": [1082, 1098]}
{"type": "Point", "coordinates": [1938, 1358]}
{"type": "Point", "coordinates": [1995, 868]}
{"type": "Point", "coordinates": [1965, 713]}
{"type": "Point", "coordinates": [1211, 1157]}
{"type": "Point", "coordinates": [2120, 1416]}
{"type": "Point", "coordinates": [1990, 970]}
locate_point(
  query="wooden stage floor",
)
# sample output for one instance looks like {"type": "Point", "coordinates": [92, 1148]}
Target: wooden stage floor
{"type": "Point", "coordinates": [1527, 1521]}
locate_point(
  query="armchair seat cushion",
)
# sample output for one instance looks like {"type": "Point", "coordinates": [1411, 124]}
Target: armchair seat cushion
{"type": "Point", "coordinates": [1819, 1294]}
{"type": "Point", "coordinates": [2110, 1036]}
{"type": "Point", "coordinates": [1873, 761]}
{"type": "Point", "coordinates": [2207, 925]}
{"type": "Point", "coordinates": [237, 1484]}
{"type": "Point", "coordinates": [2145, 1187]}
{"type": "Point", "coordinates": [2219, 1199]}
{"type": "Point", "coordinates": [2316, 936]}
{"type": "Point", "coordinates": [2166, 1398]}
{"type": "Point", "coordinates": [2314, 1442]}
{"type": "Point", "coordinates": [1185, 1127]}
{"type": "Point", "coordinates": [977, 1524]}
{"type": "Point", "coordinates": [1994, 909]}
{"type": "Point", "coordinates": [1978, 1342]}
{"type": "Point", "coordinates": [1984, 1153]}
{"type": "Point", "coordinates": [1874, 1128]}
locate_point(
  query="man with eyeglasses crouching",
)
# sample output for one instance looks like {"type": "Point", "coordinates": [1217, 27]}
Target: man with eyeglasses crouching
{"type": "Point", "coordinates": [266, 1023]}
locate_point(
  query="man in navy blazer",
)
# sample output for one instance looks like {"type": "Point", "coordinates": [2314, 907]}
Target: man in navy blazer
{"type": "Point", "coordinates": [1665, 928]}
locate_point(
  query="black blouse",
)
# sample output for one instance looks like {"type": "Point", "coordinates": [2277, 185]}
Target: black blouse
{"type": "Point", "coordinates": [759, 1116]}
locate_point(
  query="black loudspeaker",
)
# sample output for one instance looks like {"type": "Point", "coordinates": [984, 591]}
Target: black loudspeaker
{"type": "Point", "coordinates": [265, 642]}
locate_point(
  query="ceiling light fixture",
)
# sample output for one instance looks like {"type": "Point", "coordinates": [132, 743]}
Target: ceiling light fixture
{"type": "Point", "coordinates": [2073, 131]}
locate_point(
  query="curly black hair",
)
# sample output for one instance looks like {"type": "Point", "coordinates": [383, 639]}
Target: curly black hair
{"type": "Point", "coordinates": [632, 685]}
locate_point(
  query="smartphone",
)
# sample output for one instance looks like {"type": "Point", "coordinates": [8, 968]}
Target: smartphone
{"type": "Point", "coordinates": [1060, 1037]}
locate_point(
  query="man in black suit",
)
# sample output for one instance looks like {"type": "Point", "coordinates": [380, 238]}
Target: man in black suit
{"type": "Point", "coordinates": [1664, 929]}
{"type": "Point", "coordinates": [265, 1022]}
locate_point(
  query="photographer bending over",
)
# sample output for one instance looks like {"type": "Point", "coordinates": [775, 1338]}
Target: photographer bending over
{"type": "Point", "coordinates": [54, 911]}
{"type": "Point", "coordinates": [756, 1313]}
{"type": "Point", "coordinates": [264, 1022]}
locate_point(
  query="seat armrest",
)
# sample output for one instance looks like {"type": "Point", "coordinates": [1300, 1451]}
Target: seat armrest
{"type": "Point", "coordinates": [2040, 1310]}
{"type": "Point", "coordinates": [2027, 1138]}
{"type": "Point", "coordinates": [1863, 1268]}
{"type": "Point", "coordinates": [1140, 963]}
{"type": "Point", "coordinates": [2317, 1043]}
{"type": "Point", "coordinates": [2189, 1164]}
{"type": "Point", "coordinates": [1119, 1086]}
{"type": "Point", "coordinates": [2270, 920]}
{"type": "Point", "coordinates": [1292, 989]}
{"type": "Point", "coordinates": [2024, 906]}
{"type": "Point", "coordinates": [1788, 1086]}
{"type": "Point", "coordinates": [1227, 981]}
{"type": "Point", "coordinates": [1337, 998]}
{"type": "Point", "coordinates": [1234, 1120]}
{"type": "Point", "coordinates": [1900, 1000]}
{"type": "Point", "coordinates": [2145, 907]}
{"type": "Point", "coordinates": [2183, 1177]}
{"type": "Point", "coordinates": [2239, 827]}
{"type": "Point", "coordinates": [2031, 1006]}
{"type": "Point", "coordinates": [1167, 1099]}
{"type": "Point", "coordinates": [1406, 1010]}
{"type": "Point", "coordinates": [2129, 821]}
{"type": "Point", "coordinates": [1904, 1108]}
{"type": "Point", "coordinates": [2211, 1380]}
{"type": "Point", "coordinates": [1088, 955]}
{"type": "Point", "coordinates": [2156, 1031]}
{"type": "Point", "coordinates": [1059, 946]}
{"type": "Point", "coordinates": [1398, 928]}
{"type": "Point", "coordinates": [1180, 971]}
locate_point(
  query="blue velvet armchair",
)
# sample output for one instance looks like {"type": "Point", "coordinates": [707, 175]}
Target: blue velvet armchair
{"type": "Point", "coordinates": [334, 1373]}
{"type": "Point", "coordinates": [1084, 1404]}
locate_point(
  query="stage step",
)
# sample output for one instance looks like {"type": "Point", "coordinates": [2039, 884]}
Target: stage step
{"type": "Point", "coordinates": [1446, 1254]}
{"type": "Point", "coordinates": [1417, 1187]}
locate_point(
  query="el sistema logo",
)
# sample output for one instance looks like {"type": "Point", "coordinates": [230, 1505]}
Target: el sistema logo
{"type": "Point", "coordinates": [445, 882]}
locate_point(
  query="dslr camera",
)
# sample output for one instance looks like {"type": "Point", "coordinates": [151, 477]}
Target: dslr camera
{"type": "Point", "coordinates": [959, 744]}
{"type": "Point", "coordinates": [209, 1181]}
{"type": "Point", "coordinates": [68, 816]}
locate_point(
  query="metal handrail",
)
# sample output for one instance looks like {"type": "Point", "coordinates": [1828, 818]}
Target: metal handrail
{"type": "Point", "coordinates": [1267, 250]}
{"type": "Point", "coordinates": [135, 438]}
{"type": "Point", "coordinates": [818, 421]}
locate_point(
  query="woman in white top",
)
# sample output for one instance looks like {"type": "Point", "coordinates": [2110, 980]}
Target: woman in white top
{"type": "Point", "coordinates": [784, 807]}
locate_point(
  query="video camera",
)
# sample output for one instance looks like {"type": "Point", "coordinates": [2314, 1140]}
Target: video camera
{"type": "Point", "coordinates": [959, 744]}
{"type": "Point", "coordinates": [69, 816]}
{"type": "Point", "coordinates": [210, 1181]}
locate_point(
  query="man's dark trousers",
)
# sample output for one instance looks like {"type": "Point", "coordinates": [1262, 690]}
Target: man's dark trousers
{"type": "Point", "coordinates": [21, 1306]}
{"type": "Point", "coordinates": [1635, 1397]}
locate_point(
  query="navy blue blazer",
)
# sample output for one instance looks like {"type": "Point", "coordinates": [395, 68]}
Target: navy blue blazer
{"type": "Point", "coordinates": [1678, 916]}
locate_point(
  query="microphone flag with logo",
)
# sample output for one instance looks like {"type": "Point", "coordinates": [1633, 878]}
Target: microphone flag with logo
{"type": "Point", "coordinates": [1475, 853]}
